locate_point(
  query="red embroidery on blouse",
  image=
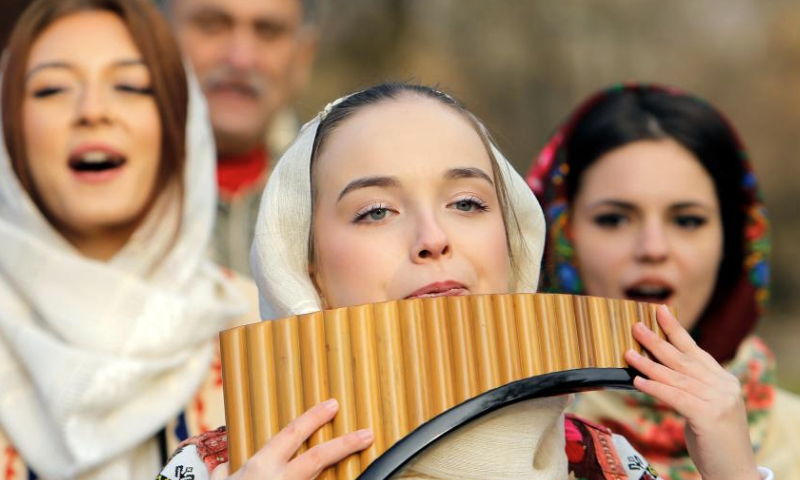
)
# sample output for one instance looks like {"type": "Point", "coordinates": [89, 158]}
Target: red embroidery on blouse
{"type": "Point", "coordinates": [199, 408]}
{"type": "Point", "coordinates": [11, 457]}
{"type": "Point", "coordinates": [216, 367]}
{"type": "Point", "coordinates": [212, 447]}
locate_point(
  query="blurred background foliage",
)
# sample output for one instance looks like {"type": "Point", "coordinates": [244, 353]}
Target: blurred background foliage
{"type": "Point", "coordinates": [523, 65]}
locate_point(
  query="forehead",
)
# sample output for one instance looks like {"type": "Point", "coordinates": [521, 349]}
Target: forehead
{"type": "Point", "coordinates": [649, 170]}
{"type": "Point", "coordinates": [408, 135]}
{"type": "Point", "coordinates": [74, 39]}
{"type": "Point", "coordinates": [246, 10]}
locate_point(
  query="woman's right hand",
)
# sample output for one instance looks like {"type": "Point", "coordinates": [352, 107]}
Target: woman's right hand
{"type": "Point", "coordinates": [274, 461]}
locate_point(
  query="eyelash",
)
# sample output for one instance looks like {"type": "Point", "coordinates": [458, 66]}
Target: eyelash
{"type": "Point", "coordinates": [50, 91]}
{"type": "Point", "coordinates": [690, 222]}
{"type": "Point", "coordinates": [609, 220]}
{"type": "Point", "coordinates": [477, 202]}
{"type": "Point", "coordinates": [47, 91]}
{"type": "Point", "coordinates": [132, 89]}
{"type": "Point", "coordinates": [362, 214]}
{"type": "Point", "coordinates": [614, 220]}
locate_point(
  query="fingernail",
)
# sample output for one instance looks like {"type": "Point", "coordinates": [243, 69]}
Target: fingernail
{"type": "Point", "coordinates": [330, 404]}
{"type": "Point", "coordinates": [633, 353]}
{"type": "Point", "coordinates": [365, 434]}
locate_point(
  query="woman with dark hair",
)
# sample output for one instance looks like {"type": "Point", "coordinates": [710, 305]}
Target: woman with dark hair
{"type": "Point", "coordinates": [110, 309]}
{"type": "Point", "coordinates": [649, 195]}
{"type": "Point", "coordinates": [397, 192]}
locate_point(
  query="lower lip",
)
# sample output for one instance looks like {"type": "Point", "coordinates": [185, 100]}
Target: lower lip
{"type": "Point", "coordinates": [98, 177]}
{"type": "Point", "coordinates": [453, 292]}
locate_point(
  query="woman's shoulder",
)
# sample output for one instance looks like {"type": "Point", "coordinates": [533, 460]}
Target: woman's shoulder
{"type": "Point", "coordinates": [780, 449]}
{"type": "Point", "coordinates": [785, 415]}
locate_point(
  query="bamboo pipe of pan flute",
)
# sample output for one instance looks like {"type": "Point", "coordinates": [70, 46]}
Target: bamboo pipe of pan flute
{"type": "Point", "coordinates": [235, 383]}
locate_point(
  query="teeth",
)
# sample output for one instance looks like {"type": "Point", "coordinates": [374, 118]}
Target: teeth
{"type": "Point", "coordinates": [650, 290]}
{"type": "Point", "coordinates": [95, 157]}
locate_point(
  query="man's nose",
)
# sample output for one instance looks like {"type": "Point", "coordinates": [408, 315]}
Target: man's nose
{"type": "Point", "coordinates": [242, 49]}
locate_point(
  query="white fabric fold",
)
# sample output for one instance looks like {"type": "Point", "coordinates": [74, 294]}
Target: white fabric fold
{"type": "Point", "coordinates": [96, 357]}
{"type": "Point", "coordinates": [523, 440]}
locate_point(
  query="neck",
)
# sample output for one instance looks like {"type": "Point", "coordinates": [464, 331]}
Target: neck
{"type": "Point", "coordinates": [233, 147]}
{"type": "Point", "coordinates": [101, 244]}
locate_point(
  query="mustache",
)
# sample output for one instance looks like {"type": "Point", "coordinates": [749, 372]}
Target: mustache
{"type": "Point", "coordinates": [248, 83]}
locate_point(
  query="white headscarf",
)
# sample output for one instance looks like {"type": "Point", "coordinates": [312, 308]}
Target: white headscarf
{"type": "Point", "coordinates": [96, 357]}
{"type": "Point", "coordinates": [525, 440]}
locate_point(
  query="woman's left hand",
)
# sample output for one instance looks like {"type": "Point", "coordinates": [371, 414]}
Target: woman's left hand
{"type": "Point", "coordinates": [696, 386]}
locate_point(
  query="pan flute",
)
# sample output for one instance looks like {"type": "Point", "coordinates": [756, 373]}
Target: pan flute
{"type": "Point", "coordinates": [396, 365]}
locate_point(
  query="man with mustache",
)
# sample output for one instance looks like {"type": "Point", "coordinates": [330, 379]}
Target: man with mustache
{"type": "Point", "coordinates": [252, 58]}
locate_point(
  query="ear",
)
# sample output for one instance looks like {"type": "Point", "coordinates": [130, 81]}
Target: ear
{"type": "Point", "coordinates": [312, 274]}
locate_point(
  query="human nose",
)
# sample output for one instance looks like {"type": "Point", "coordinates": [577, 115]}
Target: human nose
{"type": "Point", "coordinates": [93, 106]}
{"type": "Point", "coordinates": [241, 53]}
{"type": "Point", "coordinates": [652, 243]}
{"type": "Point", "coordinates": [431, 243]}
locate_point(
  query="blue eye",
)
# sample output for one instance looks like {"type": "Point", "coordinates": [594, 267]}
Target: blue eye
{"type": "Point", "coordinates": [471, 204]}
{"type": "Point", "coordinates": [373, 213]}
{"type": "Point", "coordinates": [377, 214]}
{"type": "Point", "coordinates": [690, 222]}
{"type": "Point", "coordinates": [610, 220]}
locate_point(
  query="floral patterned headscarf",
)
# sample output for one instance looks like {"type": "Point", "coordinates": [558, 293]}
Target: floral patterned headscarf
{"type": "Point", "coordinates": [739, 311]}
{"type": "Point", "coordinates": [651, 426]}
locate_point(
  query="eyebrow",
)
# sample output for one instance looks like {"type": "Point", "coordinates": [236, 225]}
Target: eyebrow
{"type": "Point", "coordinates": [629, 206]}
{"type": "Point", "coordinates": [392, 182]}
{"type": "Point", "coordinates": [613, 203]}
{"type": "Point", "coordinates": [468, 172]}
{"type": "Point", "coordinates": [385, 182]}
{"type": "Point", "coordinates": [69, 66]}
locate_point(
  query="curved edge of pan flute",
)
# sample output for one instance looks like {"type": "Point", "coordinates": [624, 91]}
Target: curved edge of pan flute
{"type": "Point", "coordinates": [406, 450]}
{"type": "Point", "coordinates": [394, 366]}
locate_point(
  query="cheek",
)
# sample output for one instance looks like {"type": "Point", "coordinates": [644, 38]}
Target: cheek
{"type": "Point", "coordinates": [45, 158]}
{"type": "Point", "coordinates": [353, 267]}
{"type": "Point", "coordinates": [205, 52]}
{"type": "Point", "coordinates": [276, 59]}
{"type": "Point", "coordinates": [146, 140]}
{"type": "Point", "coordinates": [485, 247]}
{"type": "Point", "coordinates": [702, 258]}
{"type": "Point", "coordinates": [600, 257]}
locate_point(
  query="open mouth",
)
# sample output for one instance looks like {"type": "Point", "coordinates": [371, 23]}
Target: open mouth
{"type": "Point", "coordinates": [649, 293]}
{"type": "Point", "coordinates": [95, 161]}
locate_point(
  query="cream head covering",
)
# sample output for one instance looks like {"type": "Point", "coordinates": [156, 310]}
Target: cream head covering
{"type": "Point", "coordinates": [97, 357]}
{"type": "Point", "coordinates": [525, 440]}
{"type": "Point", "coordinates": [279, 257]}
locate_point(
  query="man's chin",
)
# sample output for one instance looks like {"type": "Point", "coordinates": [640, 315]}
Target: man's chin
{"type": "Point", "coordinates": [237, 139]}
